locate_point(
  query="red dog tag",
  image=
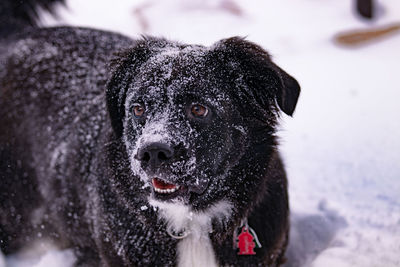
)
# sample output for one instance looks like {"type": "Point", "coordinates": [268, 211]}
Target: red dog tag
{"type": "Point", "coordinates": [245, 243]}
{"type": "Point", "coordinates": [247, 240]}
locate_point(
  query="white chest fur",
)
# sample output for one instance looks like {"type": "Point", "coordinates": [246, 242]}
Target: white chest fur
{"type": "Point", "coordinates": [195, 250]}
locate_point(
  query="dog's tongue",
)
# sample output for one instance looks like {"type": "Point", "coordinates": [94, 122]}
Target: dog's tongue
{"type": "Point", "coordinates": [160, 184]}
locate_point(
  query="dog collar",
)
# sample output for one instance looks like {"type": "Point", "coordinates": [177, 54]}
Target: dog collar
{"type": "Point", "coordinates": [245, 238]}
{"type": "Point", "coordinates": [178, 235]}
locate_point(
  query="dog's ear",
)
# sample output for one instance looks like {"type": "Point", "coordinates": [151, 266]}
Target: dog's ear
{"type": "Point", "coordinates": [266, 80]}
{"type": "Point", "coordinates": [289, 92]}
{"type": "Point", "coordinates": [124, 67]}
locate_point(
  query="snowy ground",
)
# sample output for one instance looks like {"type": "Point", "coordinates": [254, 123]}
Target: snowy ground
{"type": "Point", "coordinates": [342, 148]}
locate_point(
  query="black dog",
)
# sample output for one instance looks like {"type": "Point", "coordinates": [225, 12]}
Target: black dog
{"type": "Point", "coordinates": [161, 155]}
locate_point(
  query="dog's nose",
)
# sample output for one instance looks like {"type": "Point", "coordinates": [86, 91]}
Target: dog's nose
{"type": "Point", "coordinates": [155, 154]}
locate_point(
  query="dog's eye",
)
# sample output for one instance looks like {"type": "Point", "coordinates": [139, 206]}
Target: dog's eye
{"type": "Point", "coordinates": [138, 110]}
{"type": "Point", "coordinates": [199, 111]}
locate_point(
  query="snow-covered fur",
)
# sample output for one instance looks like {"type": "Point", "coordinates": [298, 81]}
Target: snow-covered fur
{"type": "Point", "coordinates": [78, 162]}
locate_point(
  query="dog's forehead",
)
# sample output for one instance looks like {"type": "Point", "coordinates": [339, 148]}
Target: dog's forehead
{"type": "Point", "coordinates": [180, 73]}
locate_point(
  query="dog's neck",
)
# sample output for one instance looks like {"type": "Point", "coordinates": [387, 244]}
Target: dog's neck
{"type": "Point", "coordinates": [193, 228]}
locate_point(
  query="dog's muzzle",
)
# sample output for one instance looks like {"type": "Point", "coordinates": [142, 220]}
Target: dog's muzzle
{"type": "Point", "coordinates": [154, 156]}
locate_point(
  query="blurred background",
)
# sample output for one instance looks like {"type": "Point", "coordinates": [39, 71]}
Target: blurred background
{"type": "Point", "coordinates": [342, 146]}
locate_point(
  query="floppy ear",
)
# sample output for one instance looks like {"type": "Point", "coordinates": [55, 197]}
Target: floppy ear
{"type": "Point", "coordinates": [124, 68]}
{"type": "Point", "coordinates": [266, 80]}
{"type": "Point", "coordinates": [288, 93]}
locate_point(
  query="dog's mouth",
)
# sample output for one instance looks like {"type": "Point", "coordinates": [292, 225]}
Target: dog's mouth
{"type": "Point", "coordinates": [163, 187]}
{"type": "Point", "coordinates": [165, 190]}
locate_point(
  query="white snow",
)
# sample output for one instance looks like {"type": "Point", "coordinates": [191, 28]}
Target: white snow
{"type": "Point", "coordinates": [342, 148]}
{"type": "Point", "coordinates": [2, 260]}
{"type": "Point", "coordinates": [43, 255]}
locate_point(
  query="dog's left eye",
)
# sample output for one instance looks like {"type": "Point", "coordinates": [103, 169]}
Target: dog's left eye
{"type": "Point", "coordinates": [138, 110]}
{"type": "Point", "coordinates": [199, 111]}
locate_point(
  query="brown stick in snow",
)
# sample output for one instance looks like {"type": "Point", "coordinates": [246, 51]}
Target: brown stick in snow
{"type": "Point", "coordinates": [360, 37]}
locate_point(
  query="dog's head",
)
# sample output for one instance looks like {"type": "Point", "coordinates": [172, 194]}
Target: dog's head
{"type": "Point", "coordinates": [188, 115]}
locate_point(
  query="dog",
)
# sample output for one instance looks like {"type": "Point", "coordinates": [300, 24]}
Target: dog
{"type": "Point", "coordinates": [142, 152]}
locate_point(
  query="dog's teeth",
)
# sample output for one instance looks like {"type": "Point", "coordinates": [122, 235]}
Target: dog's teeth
{"type": "Point", "coordinates": [166, 191]}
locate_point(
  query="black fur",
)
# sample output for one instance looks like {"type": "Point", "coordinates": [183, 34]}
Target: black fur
{"type": "Point", "coordinates": [17, 15]}
{"type": "Point", "coordinates": [68, 140]}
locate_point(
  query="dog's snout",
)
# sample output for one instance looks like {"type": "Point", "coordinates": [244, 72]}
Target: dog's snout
{"type": "Point", "coordinates": [155, 154]}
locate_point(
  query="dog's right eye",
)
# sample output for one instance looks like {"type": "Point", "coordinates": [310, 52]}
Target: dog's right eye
{"type": "Point", "coordinates": [138, 110]}
{"type": "Point", "coordinates": [199, 111]}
